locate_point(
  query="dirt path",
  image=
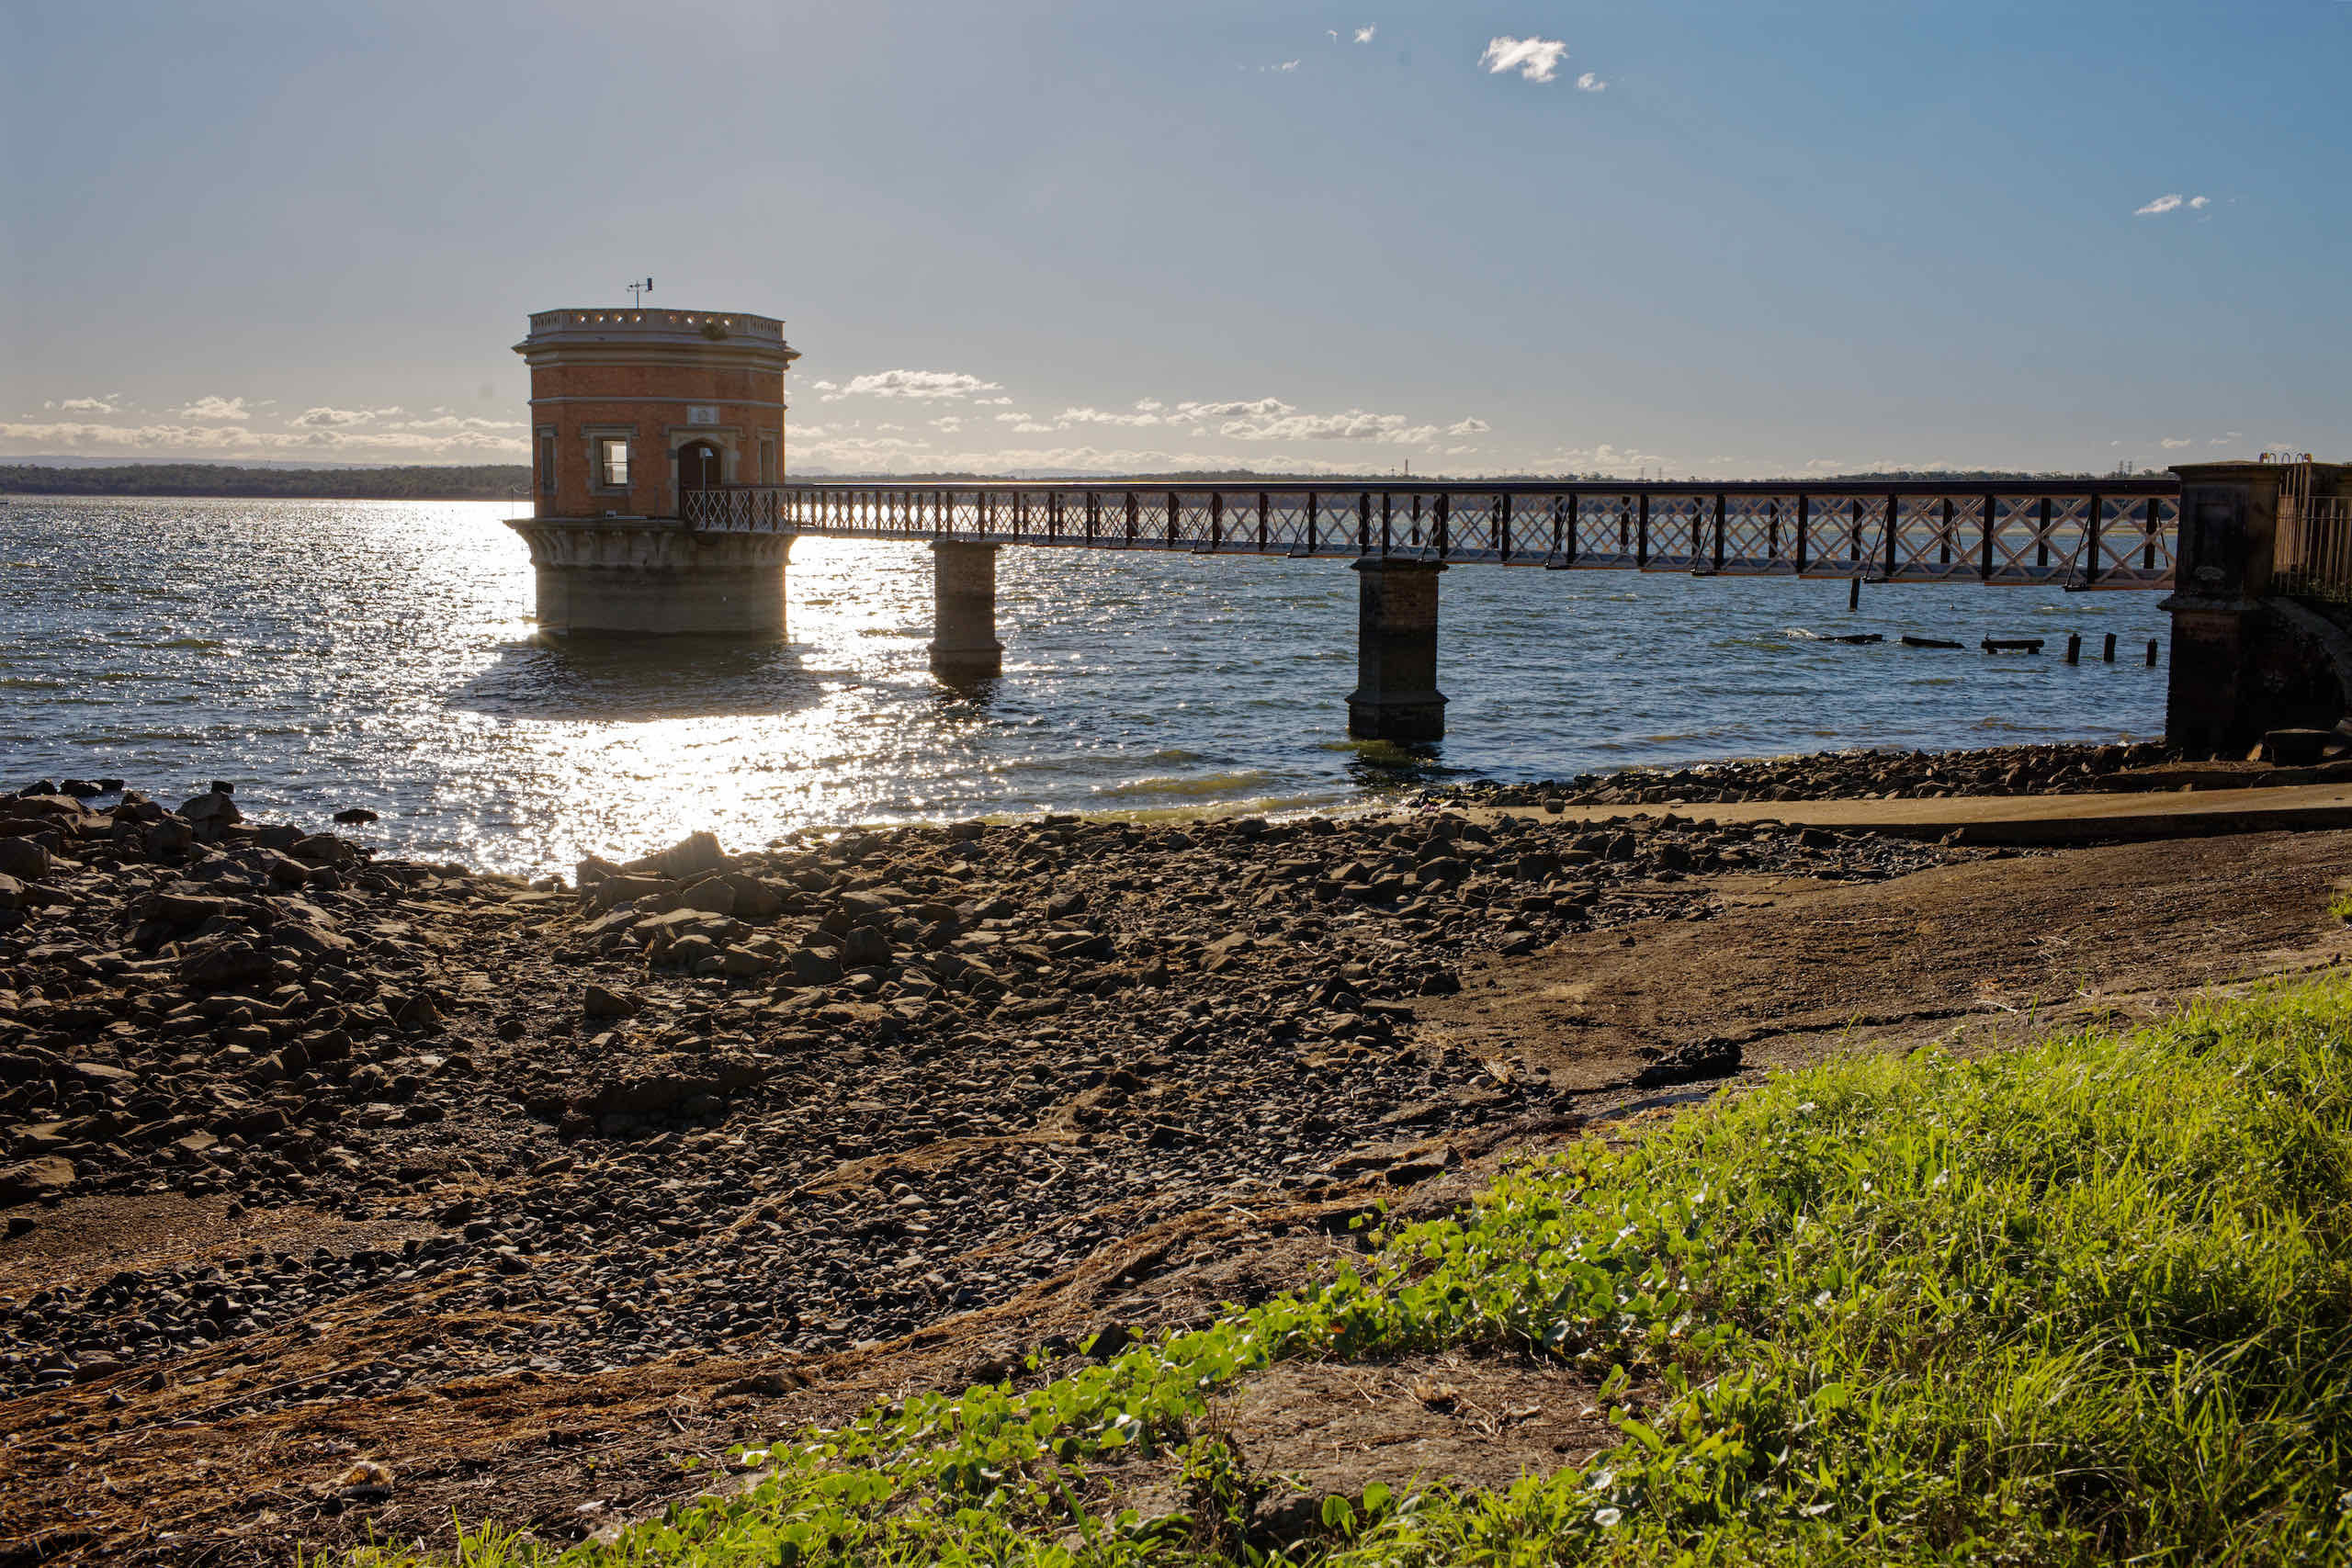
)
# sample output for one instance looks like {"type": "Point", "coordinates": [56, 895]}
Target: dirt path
{"type": "Point", "coordinates": [200, 1468]}
{"type": "Point", "coordinates": [1794, 968]}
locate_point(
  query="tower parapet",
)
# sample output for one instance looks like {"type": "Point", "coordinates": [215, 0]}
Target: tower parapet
{"type": "Point", "coordinates": [630, 410]}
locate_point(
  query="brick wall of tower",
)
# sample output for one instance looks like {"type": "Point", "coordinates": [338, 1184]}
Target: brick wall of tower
{"type": "Point", "coordinates": [649, 403]}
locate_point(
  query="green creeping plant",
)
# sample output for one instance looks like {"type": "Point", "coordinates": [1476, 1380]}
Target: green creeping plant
{"type": "Point", "coordinates": [2082, 1302]}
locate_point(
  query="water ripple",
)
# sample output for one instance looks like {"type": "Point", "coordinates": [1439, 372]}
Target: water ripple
{"type": "Point", "coordinates": [328, 654]}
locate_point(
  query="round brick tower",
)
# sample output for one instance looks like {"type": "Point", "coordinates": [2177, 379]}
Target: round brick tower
{"type": "Point", "coordinates": [630, 410]}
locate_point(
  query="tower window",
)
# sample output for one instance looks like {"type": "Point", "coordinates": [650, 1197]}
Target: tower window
{"type": "Point", "coordinates": [611, 462]}
{"type": "Point", "coordinates": [547, 462]}
{"type": "Point", "coordinates": [767, 459]}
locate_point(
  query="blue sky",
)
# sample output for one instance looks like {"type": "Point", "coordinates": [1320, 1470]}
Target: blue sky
{"type": "Point", "coordinates": [1718, 239]}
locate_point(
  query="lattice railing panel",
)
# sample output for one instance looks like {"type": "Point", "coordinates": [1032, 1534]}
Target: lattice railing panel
{"type": "Point", "coordinates": [2070, 533]}
{"type": "Point", "coordinates": [1843, 536]}
{"type": "Point", "coordinates": [2135, 541]}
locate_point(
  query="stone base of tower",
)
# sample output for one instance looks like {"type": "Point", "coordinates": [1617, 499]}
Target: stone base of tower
{"type": "Point", "coordinates": [653, 577]}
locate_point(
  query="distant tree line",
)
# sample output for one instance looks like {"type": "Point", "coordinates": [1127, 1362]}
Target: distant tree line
{"type": "Point", "coordinates": [482, 482]}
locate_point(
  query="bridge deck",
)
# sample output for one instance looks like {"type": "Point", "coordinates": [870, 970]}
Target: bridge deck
{"type": "Point", "coordinates": [2114, 533]}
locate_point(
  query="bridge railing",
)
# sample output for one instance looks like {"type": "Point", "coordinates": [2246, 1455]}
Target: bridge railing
{"type": "Point", "coordinates": [2104, 534]}
{"type": "Point", "coordinates": [2315, 549]}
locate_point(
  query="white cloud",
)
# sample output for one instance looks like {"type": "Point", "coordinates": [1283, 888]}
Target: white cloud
{"type": "Point", "coordinates": [1255, 408]}
{"type": "Point", "coordinates": [224, 427]}
{"type": "Point", "coordinates": [825, 386]}
{"type": "Point", "coordinates": [884, 457]}
{"type": "Point", "coordinates": [2174, 442]}
{"type": "Point", "coordinates": [81, 437]}
{"type": "Point", "coordinates": [1589, 82]}
{"type": "Point", "coordinates": [1245, 418]}
{"type": "Point", "coordinates": [1152, 410]}
{"type": "Point", "coordinates": [1536, 59]}
{"type": "Point", "coordinates": [909, 384]}
{"type": "Point", "coordinates": [1132, 460]}
{"type": "Point", "coordinates": [235, 440]}
{"type": "Point", "coordinates": [1618, 462]}
{"type": "Point", "coordinates": [986, 402]}
{"type": "Point", "coordinates": [1286, 65]}
{"type": "Point", "coordinates": [334, 419]}
{"type": "Point", "coordinates": [1355, 424]}
{"type": "Point", "coordinates": [853, 449]}
{"type": "Point", "coordinates": [2200, 202]}
{"type": "Point", "coordinates": [951, 423]}
{"type": "Point", "coordinates": [1363, 35]}
{"type": "Point", "coordinates": [444, 442]}
{"type": "Point", "coordinates": [1103, 416]}
{"type": "Point", "coordinates": [2162, 205]}
{"type": "Point", "coordinates": [446, 422]}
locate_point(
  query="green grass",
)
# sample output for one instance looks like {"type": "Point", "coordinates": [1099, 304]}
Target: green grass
{"type": "Point", "coordinates": [2087, 1301]}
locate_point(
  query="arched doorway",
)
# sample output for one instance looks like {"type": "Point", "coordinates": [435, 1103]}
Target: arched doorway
{"type": "Point", "coordinates": [698, 468]}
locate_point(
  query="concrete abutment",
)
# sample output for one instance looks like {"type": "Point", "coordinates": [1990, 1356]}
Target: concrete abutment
{"type": "Point", "coordinates": [2248, 655]}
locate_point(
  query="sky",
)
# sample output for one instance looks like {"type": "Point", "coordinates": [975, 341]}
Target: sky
{"type": "Point", "coordinates": [1726, 239]}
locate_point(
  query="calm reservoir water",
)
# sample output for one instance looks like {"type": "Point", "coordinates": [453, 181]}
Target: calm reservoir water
{"type": "Point", "coordinates": [326, 654]}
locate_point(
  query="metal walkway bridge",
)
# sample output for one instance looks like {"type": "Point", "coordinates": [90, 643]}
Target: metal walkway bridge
{"type": "Point", "coordinates": [2086, 534]}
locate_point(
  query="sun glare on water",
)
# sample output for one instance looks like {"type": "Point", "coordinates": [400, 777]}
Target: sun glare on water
{"type": "Point", "coordinates": [382, 654]}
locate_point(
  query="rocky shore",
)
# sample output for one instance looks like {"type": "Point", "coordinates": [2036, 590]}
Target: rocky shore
{"type": "Point", "coordinates": [800, 1098]}
{"type": "Point", "coordinates": [1839, 776]}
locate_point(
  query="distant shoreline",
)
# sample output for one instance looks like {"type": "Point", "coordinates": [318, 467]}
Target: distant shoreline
{"type": "Point", "coordinates": [489, 481]}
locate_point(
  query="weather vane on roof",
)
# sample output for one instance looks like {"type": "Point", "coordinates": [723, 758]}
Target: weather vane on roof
{"type": "Point", "coordinates": [638, 291]}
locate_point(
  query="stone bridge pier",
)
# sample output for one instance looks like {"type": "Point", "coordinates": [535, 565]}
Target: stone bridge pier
{"type": "Point", "coordinates": [1396, 696]}
{"type": "Point", "coordinates": [963, 646]}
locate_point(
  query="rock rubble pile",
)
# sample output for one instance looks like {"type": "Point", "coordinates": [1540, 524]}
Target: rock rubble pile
{"type": "Point", "coordinates": [797, 1099]}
